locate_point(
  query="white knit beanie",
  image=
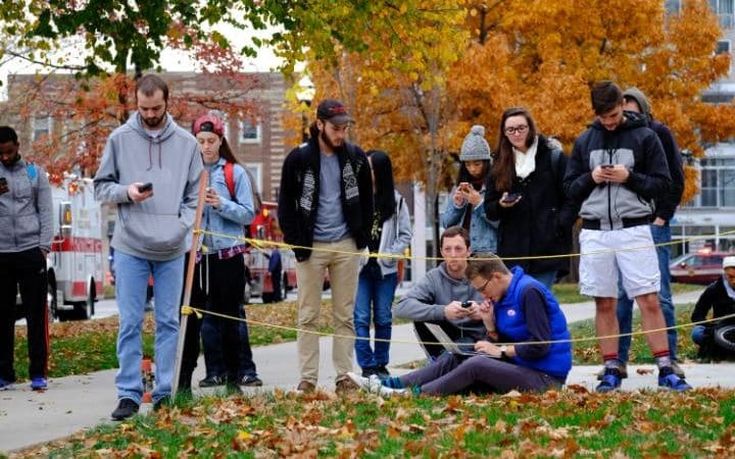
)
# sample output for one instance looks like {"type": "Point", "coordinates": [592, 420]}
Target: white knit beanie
{"type": "Point", "coordinates": [475, 147]}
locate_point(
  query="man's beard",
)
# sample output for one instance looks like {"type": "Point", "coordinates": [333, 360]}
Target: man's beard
{"type": "Point", "coordinates": [10, 161]}
{"type": "Point", "coordinates": [154, 122]}
{"type": "Point", "coordinates": [328, 142]}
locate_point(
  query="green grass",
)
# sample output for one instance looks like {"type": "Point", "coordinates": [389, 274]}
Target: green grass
{"type": "Point", "coordinates": [569, 293]}
{"type": "Point", "coordinates": [567, 423]}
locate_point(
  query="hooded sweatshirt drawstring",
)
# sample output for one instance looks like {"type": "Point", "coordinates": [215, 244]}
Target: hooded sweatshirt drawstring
{"type": "Point", "coordinates": [150, 154]}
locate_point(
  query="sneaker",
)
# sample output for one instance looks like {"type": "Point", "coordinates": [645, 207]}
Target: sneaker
{"type": "Point", "coordinates": [610, 381]}
{"type": "Point", "coordinates": [382, 372]}
{"type": "Point", "coordinates": [251, 381]}
{"type": "Point", "coordinates": [125, 408]}
{"type": "Point", "coordinates": [623, 372]}
{"type": "Point", "coordinates": [345, 386]}
{"type": "Point", "coordinates": [212, 381]}
{"type": "Point", "coordinates": [161, 403]}
{"type": "Point", "coordinates": [39, 383]}
{"type": "Point", "coordinates": [305, 387]}
{"type": "Point", "coordinates": [5, 384]}
{"type": "Point", "coordinates": [368, 371]}
{"type": "Point", "coordinates": [677, 369]}
{"type": "Point", "coordinates": [667, 379]}
{"type": "Point", "coordinates": [373, 385]}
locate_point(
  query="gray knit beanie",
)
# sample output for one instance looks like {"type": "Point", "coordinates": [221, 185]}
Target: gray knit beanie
{"type": "Point", "coordinates": [475, 147]}
{"type": "Point", "coordinates": [639, 98]}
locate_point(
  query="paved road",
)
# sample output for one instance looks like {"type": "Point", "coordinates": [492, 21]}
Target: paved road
{"type": "Point", "coordinates": [78, 402]}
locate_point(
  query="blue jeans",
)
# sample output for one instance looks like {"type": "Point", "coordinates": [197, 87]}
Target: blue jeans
{"type": "Point", "coordinates": [661, 234]}
{"type": "Point", "coordinates": [131, 284]}
{"type": "Point", "coordinates": [547, 278]}
{"type": "Point", "coordinates": [374, 296]}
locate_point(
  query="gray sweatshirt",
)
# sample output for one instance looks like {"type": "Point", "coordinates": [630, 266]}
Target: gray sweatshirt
{"type": "Point", "coordinates": [154, 229]}
{"type": "Point", "coordinates": [25, 209]}
{"type": "Point", "coordinates": [428, 297]}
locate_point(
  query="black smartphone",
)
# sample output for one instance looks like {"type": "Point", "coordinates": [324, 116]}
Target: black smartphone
{"type": "Point", "coordinates": [512, 197]}
{"type": "Point", "coordinates": [607, 166]}
{"type": "Point", "coordinates": [3, 185]}
{"type": "Point", "coordinates": [145, 187]}
{"type": "Point", "coordinates": [466, 304]}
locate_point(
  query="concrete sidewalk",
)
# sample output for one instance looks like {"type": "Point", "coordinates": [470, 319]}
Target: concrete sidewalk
{"type": "Point", "coordinates": [79, 402]}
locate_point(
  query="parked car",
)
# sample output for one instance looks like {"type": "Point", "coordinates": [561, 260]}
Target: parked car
{"type": "Point", "coordinates": [703, 267]}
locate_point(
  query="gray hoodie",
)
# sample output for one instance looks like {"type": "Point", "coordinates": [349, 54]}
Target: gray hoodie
{"type": "Point", "coordinates": [25, 209]}
{"type": "Point", "coordinates": [428, 297]}
{"type": "Point", "coordinates": [154, 229]}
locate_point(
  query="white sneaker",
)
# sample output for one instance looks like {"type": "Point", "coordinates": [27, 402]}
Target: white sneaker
{"type": "Point", "coordinates": [373, 385]}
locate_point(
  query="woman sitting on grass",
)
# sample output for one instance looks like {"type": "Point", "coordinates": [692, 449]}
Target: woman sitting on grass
{"type": "Point", "coordinates": [517, 309]}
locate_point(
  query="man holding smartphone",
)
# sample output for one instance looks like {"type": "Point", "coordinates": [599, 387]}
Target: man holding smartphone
{"type": "Point", "coordinates": [25, 240]}
{"type": "Point", "coordinates": [149, 152]}
{"type": "Point", "coordinates": [616, 169]}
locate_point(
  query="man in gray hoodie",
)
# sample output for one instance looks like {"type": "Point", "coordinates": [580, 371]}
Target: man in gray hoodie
{"type": "Point", "coordinates": [150, 169]}
{"type": "Point", "coordinates": [445, 297]}
{"type": "Point", "coordinates": [25, 239]}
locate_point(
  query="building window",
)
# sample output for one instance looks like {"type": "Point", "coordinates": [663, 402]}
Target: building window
{"type": "Point", "coordinates": [725, 11]}
{"type": "Point", "coordinates": [723, 47]}
{"type": "Point", "coordinates": [672, 6]}
{"type": "Point", "coordinates": [255, 171]}
{"type": "Point", "coordinates": [718, 182]}
{"type": "Point", "coordinates": [249, 132]}
{"type": "Point", "coordinates": [42, 127]}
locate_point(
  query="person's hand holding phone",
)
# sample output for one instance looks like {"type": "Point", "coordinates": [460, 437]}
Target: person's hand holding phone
{"type": "Point", "coordinates": [139, 191]}
{"type": "Point", "coordinates": [510, 199]}
{"type": "Point", "coordinates": [458, 197]}
{"type": "Point", "coordinates": [212, 198]}
{"type": "Point", "coordinates": [613, 173]}
{"type": "Point", "coordinates": [455, 311]}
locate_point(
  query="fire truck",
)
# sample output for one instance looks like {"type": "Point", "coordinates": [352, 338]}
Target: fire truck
{"type": "Point", "coordinates": [260, 282]}
{"type": "Point", "coordinates": [75, 268]}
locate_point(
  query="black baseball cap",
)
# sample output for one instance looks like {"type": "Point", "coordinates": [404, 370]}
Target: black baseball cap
{"type": "Point", "coordinates": [333, 111]}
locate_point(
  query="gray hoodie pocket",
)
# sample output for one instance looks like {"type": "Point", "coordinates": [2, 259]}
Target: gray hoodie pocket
{"type": "Point", "coordinates": [154, 233]}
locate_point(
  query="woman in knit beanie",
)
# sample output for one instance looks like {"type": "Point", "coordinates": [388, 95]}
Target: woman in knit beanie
{"type": "Point", "coordinates": [525, 194]}
{"type": "Point", "coordinates": [465, 206]}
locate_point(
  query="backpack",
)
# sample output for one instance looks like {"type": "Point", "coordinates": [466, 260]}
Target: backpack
{"type": "Point", "coordinates": [229, 171]}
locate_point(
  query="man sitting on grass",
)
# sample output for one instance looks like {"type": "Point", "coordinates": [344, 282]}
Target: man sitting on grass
{"type": "Point", "coordinates": [716, 339]}
{"type": "Point", "coordinates": [517, 309]}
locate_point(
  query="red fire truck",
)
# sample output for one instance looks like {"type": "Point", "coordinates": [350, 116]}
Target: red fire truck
{"type": "Point", "coordinates": [75, 269]}
{"type": "Point", "coordinates": [265, 228]}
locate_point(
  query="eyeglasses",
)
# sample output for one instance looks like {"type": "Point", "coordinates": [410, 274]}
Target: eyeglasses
{"type": "Point", "coordinates": [517, 129]}
{"type": "Point", "coordinates": [484, 286]}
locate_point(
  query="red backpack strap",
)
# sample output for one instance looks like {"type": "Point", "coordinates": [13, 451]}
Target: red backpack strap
{"type": "Point", "coordinates": [230, 178]}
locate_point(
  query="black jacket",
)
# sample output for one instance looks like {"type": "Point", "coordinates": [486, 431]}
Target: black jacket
{"type": "Point", "coordinates": [609, 206]}
{"type": "Point", "coordinates": [716, 299]}
{"type": "Point", "coordinates": [666, 203]}
{"type": "Point", "coordinates": [541, 222]}
{"type": "Point", "coordinates": [299, 195]}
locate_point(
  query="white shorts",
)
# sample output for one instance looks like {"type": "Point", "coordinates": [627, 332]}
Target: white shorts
{"type": "Point", "coordinates": [602, 258]}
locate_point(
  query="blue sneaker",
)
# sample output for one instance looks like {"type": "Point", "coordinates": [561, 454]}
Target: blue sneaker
{"type": "Point", "coordinates": [610, 381]}
{"type": "Point", "coordinates": [667, 379]}
{"type": "Point", "coordinates": [39, 383]}
{"type": "Point", "coordinates": [5, 384]}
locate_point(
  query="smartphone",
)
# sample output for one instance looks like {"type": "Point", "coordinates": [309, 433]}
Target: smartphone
{"type": "Point", "coordinates": [466, 304]}
{"type": "Point", "coordinates": [607, 166]}
{"type": "Point", "coordinates": [145, 187]}
{"type": "Point", "coordinates": [464, 186]}
{"type": "Point", "coordinates": [3, 185]}
{"type": "Point", "coordinates": [512, 197]}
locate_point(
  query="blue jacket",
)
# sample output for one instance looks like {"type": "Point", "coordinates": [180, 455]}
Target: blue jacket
{"type": "Point", "coordinates": [483, 231]}
{"type": "Point", "coordinates": [511, 323]}
{"type": "Point", "coordinates": [233, 213]}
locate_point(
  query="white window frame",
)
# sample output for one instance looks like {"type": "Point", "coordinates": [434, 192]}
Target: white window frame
{"type": "Point", "coordinates": [257, 170]}
{"type": "Point", "coordinates": [241, 132]}
{"type": "Point", "coordinates": [49, 126]}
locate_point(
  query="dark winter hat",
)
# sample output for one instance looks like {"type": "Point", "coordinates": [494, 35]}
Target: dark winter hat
{"type": "Point", "coordinates": [208, 123]}
{"type": "Point", "coordinates": [475, 147]}
{"type": "Point", "coordinates": [333, 111]}
{"type": "Point", "coordinates": [639, 98]}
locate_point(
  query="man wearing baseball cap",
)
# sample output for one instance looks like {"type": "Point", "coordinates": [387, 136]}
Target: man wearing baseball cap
{"type": "Point", "coordinates": [326, 204]}
{"type": "Point", "coordinates": [716, 340]}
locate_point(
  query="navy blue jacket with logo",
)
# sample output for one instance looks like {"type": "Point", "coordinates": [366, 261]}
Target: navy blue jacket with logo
{"type": "Point", "coordinates": [611, 206]}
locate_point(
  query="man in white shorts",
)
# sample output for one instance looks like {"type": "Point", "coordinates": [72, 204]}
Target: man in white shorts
{"type": "Point", "coordinates": [617, 168]}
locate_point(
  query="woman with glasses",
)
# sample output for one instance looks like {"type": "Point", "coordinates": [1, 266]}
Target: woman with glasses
{"type": "Point", "coordinates": [527, 346]}
{"type": "Point", "coordinates": [525, 194]}
{"type": "Point", "coordinates": [465, 206]}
